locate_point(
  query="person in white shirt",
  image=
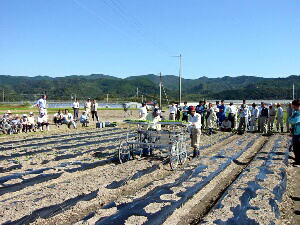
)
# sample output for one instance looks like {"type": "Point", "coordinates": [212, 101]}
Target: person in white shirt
{"type": "Point", "coordinates": [84, 119]}
{"type": "Point", "coordinates": [42, 121]}
{"type": "Point", "coordinates": [68, 119]}
{"type": "Point", "coordinates": [76, 109]}
{"type": "Point", "coordinates": [42, 104]}
{"type": "Point", "coordinates": [94, 109]}
{"type": "Point", "coordinates": [143, 112]}
{"type": "Point", "coordinates": [244, 115]}
{"type": "Point", "coordinates": [232, 115]}
{"type": "Point", "coordinates": [254, 117]}
{"type": "Point", "coordinates": [226, 125]}
{"type": "Point", "coordinates": [87, 107]}
{"type": "Point", "coordinates": [173, 112]}
{"type": "Point", "coordinates": [195, 130]}
{"type": "Point", "coordinates": [279, 118]}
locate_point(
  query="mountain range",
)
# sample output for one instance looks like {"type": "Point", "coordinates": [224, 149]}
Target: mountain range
{"type": "Point", "coordinates": [17, 88]}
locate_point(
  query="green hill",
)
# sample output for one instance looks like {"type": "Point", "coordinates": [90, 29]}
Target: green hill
{"type": "Point", "coordinates": [18, 88]}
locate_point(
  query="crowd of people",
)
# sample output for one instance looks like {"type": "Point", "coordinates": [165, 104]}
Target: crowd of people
{"type": "Point", "coordinates": [11, 123]}
{"type": "Point", "coordinates": [231, 118]}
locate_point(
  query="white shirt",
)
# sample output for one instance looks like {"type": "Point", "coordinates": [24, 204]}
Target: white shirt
{"type": "Point", "coordinates": [68, 117]}
{"type": "Point", "coordinates": [76, 105]}
{"type": "Point", "coordinates": [232, 109]}
{"type": "Point", "coordinates": [88, 105]}
{"type": "Point", "coordinates": [173, 109]}
{"type": "Point", "coordinates": [41, 103]}
{"type": "Point", "coordinates": [255, 112]}
{"type": "Point", "coordinates": [143, 112]}
{"type": "Point", "coordinates": [43, 119]}
{"type": "Point", "coordinates": [195, 121]}
{"type": "Point", "coordinates": [280, 112]}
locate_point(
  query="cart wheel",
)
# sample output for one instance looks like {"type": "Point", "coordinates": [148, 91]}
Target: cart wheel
{"type": "Point", "coordinates": [174, 156]}
{"type": "Point", "coordinates": [124, 152]}
{"type": "Point", "coordinates": [182, 153]}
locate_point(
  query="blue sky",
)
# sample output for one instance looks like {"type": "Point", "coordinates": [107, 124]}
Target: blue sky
{"type": "Point", "coordinates": [133, 37]}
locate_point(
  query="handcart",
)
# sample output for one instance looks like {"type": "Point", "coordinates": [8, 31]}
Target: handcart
{"type": "Point", "coordinates": [172, 138]}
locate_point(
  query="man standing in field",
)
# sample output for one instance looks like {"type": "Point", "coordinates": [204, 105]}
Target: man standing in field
{"type": "Point", "coordinates": [143, 112]}
{"type": "Point", "coordinates": [195, 129]}
{"type": "Point", "coordinates": [42, 104]}
{"type": "Point", "coordinates": [295, 121]}
{"type": "Point", "coordinates": [279, 118]}
{"type": "Point", "coordinates": [263, 118]}
{"type": "Point", "coordinates": [185, 110]}
{"type": "Point", "coordinates": [76, 109]}
{"type": "Point", "coordinates": [173, 111]}
{"type": "Point", "coordinates": [272, 114]}
{"type": "Point", "coordinates": [244, 115]}
{"type": "Point", "coordinates": [254, 116]}
{"type": "Point", "coordinates": [232, 115]}
{"type": "Point", "coordinates": [222, 112]}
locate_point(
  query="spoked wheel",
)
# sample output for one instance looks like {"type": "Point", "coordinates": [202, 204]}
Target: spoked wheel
{"type": "Point", "coordinates": [174, 158]}
{"type": "Point", "coordinates": [124, 152]}
{"type": "Point", "coordinates": [182, 153]}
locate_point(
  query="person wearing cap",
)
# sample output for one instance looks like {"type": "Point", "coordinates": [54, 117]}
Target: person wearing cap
{"type": "Point", "coordinates": [173, 111]}
{"type": "Point", "coordinates": [254, 117]}
{"type": "Point", "coordinates": [84, 119]}
{"type": "Point", "coordinates": [87, 107]}
{"type": "Point", "coordinates": [244, 115]}
{"type": "Point", "coordinates": [143, 112]}
{"type": "Point", "coordinates": [289, 111]}
{"type": "Point", "coordinates": [57, 118]}
{"type": "Point", "coordinates": [211, 118]}
{"type": "Point", "coordinates": [195, 130]}
{"type": "Point", "coordinates": [226, 125]}
{"type": "Point", "coordinates": [271, 120]}
{"type": "Point", "coordinates": [232, 115]}
{"type": "Point", "coordinates": [42, 104]}
{"type": "Point", "coordinates": [8, 115]}
{"type": "Point", "coordinates": [76, 109]}
{"type": "Point", "coordinates": [279, 118]}
{"type": "Point", "coordinates": [263, 118]}
{"type": "Point", "coordinates": [31, 122]}
{"type": "Point", "coordinates": [294, 120]}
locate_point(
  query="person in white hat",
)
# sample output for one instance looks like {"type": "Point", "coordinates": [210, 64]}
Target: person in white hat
{"type": "Point", "coordinates": [24, 123]}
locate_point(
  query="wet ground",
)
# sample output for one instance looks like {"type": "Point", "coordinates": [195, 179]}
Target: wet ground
{"type": "Point", "coordinates": [73, 177]}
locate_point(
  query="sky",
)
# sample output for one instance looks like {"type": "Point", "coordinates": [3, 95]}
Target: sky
{"type": "Point", "coordinates": [133, 37]}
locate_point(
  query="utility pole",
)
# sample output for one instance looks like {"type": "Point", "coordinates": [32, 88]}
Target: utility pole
{"type": "Point", "coordinates": [180, 75]}
{"type": "Point", "coordinates": [160, 83]}
{"type": "Point", "coordinates": [293, 91]}
{"type": "Point", "coordinates": [106, 98]}
{"type": "Point", "coordinates": [3, 95]}
{"type": "Point", "coordinates": [142, 98]}
{"type": "Point", "coordinates": [137, 92]}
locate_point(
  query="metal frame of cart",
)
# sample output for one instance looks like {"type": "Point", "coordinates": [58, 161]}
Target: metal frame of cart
{"type": "Point", "coordinates": [172, 137]}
